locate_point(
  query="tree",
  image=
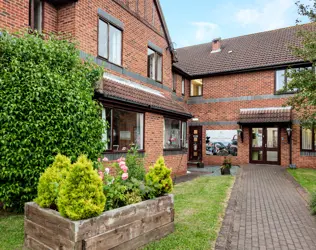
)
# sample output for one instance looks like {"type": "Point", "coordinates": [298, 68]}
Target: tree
{"type": "Point", "coordinates": [304, 101]}
{"type": "Point", "coordinates": [47, 107]}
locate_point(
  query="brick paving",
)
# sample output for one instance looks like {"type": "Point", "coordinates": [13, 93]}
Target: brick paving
{"type": "Point", "coordinates": [269, 212]}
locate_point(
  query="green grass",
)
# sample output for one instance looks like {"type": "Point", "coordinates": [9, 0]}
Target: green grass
{"type": "Point", "coordinates": [305, 177]}
{"type": "Point", "coordinates": [11, 231]}
{"type": "Point", "coordinates": [199, 209]}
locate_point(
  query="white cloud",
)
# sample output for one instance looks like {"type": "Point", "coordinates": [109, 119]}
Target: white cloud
{"type": "Point", "coordinates": [205, 31]}
{"type": "Point", "coordinates": [267, 15]}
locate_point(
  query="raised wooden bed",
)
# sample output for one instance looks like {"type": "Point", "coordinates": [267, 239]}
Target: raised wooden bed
{"type": "Point", "coordinates": [125, 228]}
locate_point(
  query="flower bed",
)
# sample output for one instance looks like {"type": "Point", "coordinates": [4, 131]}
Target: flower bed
{"type": "Point", "coordinates": [128, 227]}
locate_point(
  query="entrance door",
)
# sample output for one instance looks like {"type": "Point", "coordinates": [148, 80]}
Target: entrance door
{"type": "Point", "coordinates": [265, 145]}
{"type": "Point", "coordinates": [195, 143]}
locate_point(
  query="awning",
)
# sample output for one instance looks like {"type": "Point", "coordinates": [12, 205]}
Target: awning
{"type": "Point", "coordinates": [265, 115]}
{"type": "Point", "coordinates": [115, 88]}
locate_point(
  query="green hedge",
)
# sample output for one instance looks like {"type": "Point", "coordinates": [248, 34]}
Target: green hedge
{"type": "Point", "coordinates": [46, 108]}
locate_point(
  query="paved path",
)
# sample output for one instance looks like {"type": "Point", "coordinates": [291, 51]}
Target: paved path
{"type": "Point", "coordinates": [269, 212]}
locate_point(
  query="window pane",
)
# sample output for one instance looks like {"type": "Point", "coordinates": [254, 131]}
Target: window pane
{"type": "Point", "coordinates": [196, 87]}
{"type": "Point", "coordinates": [272, 156]}
{"type": "Point", "coordinates": [171, 134]}
{"type": "Point", "coordinates": [272, 137]}
{"type": "Point", "coordinates": [103, 39]}
{"type": "Point", "coordinates": [280, 79]}
{"type": "Point", "coordinates": [38, 15]}
{"type": "Point", "coordinates": [257, 155]}
{"type": "Point", "coordinates": [115, 45]}
{"type": "Point", "coordinates": [257, 135]}
{"type": "Point", "coordinates": [159, 68]}
{"type": "Point", "coordinates": [127, 130]}
{"type": "Point", "coordinates": [151, 64]}
{"type": "Point", "coordinates": [306, 139]}
{"type": "Point", "coordinates": [182, 86]}
{"type": "Point", "coordinates": [184, 135]}
{"type": "Point", "coordinates": [106, 137]}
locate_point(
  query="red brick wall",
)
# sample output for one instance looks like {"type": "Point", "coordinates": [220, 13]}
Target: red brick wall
{"type": "Point", "coordinates": [244, 84]}
{"type": "Point", "coordinates": [50, 18]}
{"type": "Point", "coordinates": [14, 14]}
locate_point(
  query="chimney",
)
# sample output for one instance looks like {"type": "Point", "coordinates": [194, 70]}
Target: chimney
{"type": "Point", "coordinates": [216, 45]}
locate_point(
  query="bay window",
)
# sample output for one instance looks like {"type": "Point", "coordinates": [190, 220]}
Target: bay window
{"type": "Point", "coordinates": [154, 65]}
{"type": "Point", "coordinates": [175, 136]}
{"type": "Point", "coordinates": [110, 42]}
{"type": "Point", "coordinates": [125, 129]}
{"type": "Point", "coordinates": [308, 140]}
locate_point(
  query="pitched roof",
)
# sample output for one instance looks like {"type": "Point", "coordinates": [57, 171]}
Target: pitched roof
{"type": "Point", "coordinates": [264, 115]}
{"type": "Point", "coordinates": [117, 88]}
{"type": "Point", "coordinates": [264, 49]}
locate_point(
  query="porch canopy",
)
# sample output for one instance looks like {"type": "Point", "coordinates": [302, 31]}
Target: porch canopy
{"type": "Point", "coordinates": [265, 115]}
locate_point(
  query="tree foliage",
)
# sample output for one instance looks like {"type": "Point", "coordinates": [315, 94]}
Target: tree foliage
{"type": "Point", "coordinates": [46, 108]}
{"type": "Point", "coordinates": [303, 82]}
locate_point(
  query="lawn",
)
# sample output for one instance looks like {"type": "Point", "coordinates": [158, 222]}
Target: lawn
{"type": "Point", "coordinates": [12, 231]}
{"type": "Point", "coordinates": [199, 209]}
{"type": "Point", "coordinates": [305, 177]}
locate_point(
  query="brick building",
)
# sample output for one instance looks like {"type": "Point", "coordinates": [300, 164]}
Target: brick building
{"type": "Point", "coordinates": [149, 90]}
{"type": "Point", "coordinates": [233, 91]}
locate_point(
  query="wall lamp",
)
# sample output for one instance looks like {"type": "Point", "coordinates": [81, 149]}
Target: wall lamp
{"type": "Point", "coordinates": [289, 134]}
{"type": "Point", "coordinates": [240, 134]}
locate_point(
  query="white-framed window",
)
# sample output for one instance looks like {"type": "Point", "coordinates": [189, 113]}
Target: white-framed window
{"type": "Point", "coordinates": [196, 87]}
{"type": "Point", "coordinates": [308, 139]}
{"type": "Point", "coordinates": [125, 129]}
{"type": "Point", "coordinates": [154, 65]}
{"type": "Point", "coordinates": [36, 15]}
{"type": "Point", "coordinates": [110, 42]}
{"type": "Point", "coordinates": [183, 86]}
{"type": "Point", "coordinates": [175, 134]}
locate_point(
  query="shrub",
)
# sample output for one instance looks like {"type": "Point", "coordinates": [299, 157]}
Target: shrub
{"type": "Point", "coordinates": [133, 197]}
{"type": "Point", "coordinates": [47, 107]}
{"type": "Point", "coordinates": [81, 195]}
{"type": "Point", "coordinates": [159, 179]}
{"type": "Point", "coordinates": [135, 163]}
{"type": "Point", "coordinates": [313, 203]}
{"type": "Point", "coordinates": [50, 181]}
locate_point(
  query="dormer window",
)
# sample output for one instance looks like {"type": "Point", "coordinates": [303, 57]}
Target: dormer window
{"type": "Point", "coordinates": [36, 15]}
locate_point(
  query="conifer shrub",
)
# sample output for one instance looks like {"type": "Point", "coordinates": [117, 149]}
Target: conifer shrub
{"type": "Point", "coordinates": [50, 181]}
{"type": "Point", "coordinates": [81, 195]}
{"type": "Point", "coordinates": [159, 179]}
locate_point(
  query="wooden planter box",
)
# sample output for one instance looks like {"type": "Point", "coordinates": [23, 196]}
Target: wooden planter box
{"type": "Point", "coordinates": [128, 227]}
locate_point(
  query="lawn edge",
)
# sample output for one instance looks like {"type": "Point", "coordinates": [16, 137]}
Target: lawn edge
{"type": "Point", "coordinates": [223, 239]}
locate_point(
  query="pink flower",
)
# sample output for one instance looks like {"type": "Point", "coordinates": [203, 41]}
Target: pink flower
{"type": "Point", "coordinates": [120, 159]}
{"type": "Point", "coordinates": [99, 159]}
{"type": "Point", "coordinates": [124, 176]}
{"type": "Point", "coordinates": [105, 159]}
{"type": "Point", "coordinates": [122, 163]}
{"type": "Point", "coordinates": [101, 174]}
{"type": "Point", "coordinates": [124, 168]}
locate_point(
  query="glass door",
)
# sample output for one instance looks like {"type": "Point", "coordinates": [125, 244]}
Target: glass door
{"type": "Point", "coordinates": [272, 145]}
{"type": "Point", "coordinates": [257, 145]}
{"type": "Point", "coordinates": [265, 145]}
{"type": "Point", "coordinates": [195, 143]}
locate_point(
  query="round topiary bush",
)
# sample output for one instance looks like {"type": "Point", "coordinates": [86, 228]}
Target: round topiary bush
{"type": "Point", "coordinates": [159, 179]}
{"type": "Point", "coordinates": [50, 181]}
{"type": "Point", "coordinates": [81, 195]}
{"type": "Point", "coordinates": [47, 107]}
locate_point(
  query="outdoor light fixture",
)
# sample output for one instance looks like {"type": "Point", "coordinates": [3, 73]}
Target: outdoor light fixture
{"type": "Point", "coordinates": [289, 134]}
{"type": "Point", "coordinates": [195, 119]}
{"type": "Point", "coordinates": [240, 134]}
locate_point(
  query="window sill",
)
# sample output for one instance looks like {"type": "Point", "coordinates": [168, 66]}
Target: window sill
{"type": "Point", "coordinates": [175, 149]}
{"type": "Point", "coordinates": [196, 95]}
{"type": "Point", "coordinates": [121, 152]}
{"type": "Point", "coordinates": [285, 93]}
{"type": "Point", "coordinates": [107, 60]}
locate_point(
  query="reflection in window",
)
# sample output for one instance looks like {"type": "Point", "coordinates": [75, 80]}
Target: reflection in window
{"type": "Point", "coordinates": [257, 137]}
{"type": "Point", "coordinates": [196, 87]}
{"type": "Point", "coordinates": [36, 15]}
{"type": "Point", "coordinates": [125, 129]}
{"type": "Point", "coordinates": [184, 135]}
{"type": "Point", "coordinates": [272, 137]}
{"type": "Point", "coordinates": [172, 133]}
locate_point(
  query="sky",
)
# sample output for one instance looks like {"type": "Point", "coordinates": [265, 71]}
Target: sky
{"type": "Point", "coordinates": [193, 22]}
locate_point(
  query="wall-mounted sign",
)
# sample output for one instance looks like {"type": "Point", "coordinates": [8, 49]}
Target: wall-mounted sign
{"type": "Point", "coordinates": [221, 142]}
